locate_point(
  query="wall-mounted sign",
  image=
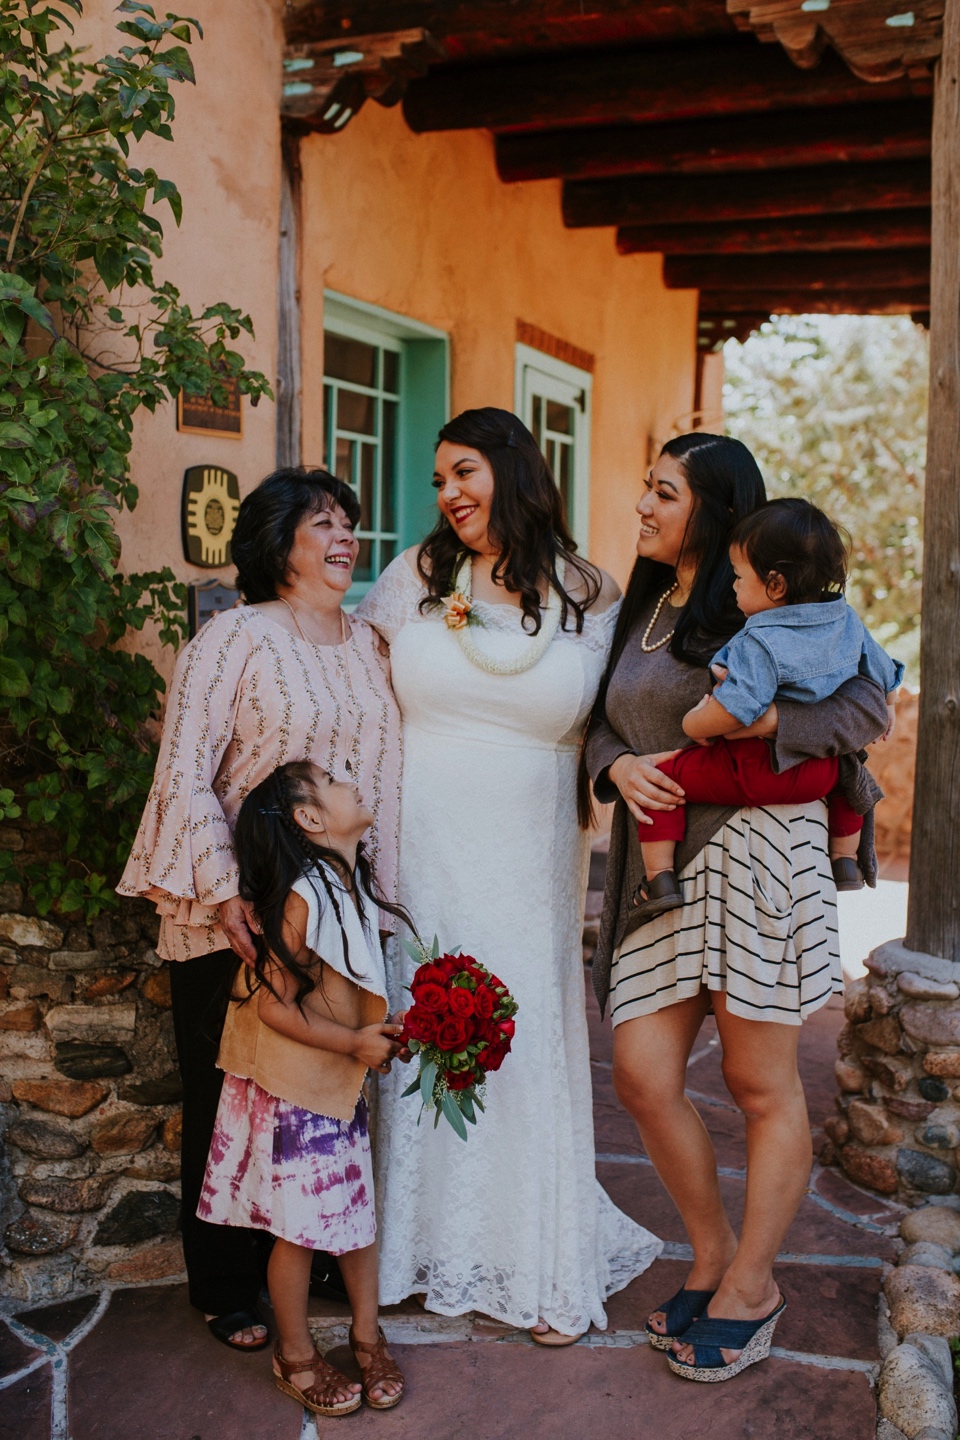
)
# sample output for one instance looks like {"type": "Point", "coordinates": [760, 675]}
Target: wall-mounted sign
{"type": "Point", "coordinates": [211, 500]}
{"type": "Point", "coordinates": [198, 415]}
{"type": "Point", "coordinates": [206, 598]}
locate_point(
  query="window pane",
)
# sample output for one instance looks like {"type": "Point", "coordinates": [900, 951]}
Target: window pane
{"type": "Point", "coordinates": [550, 455]}
{"type": "Point", "coordinates": [363, 570]}
{"type": "Point", "coordinates": [536, 426]}
{"type": "Point", "coordinates": [559, 418]}
{"type": "Point", "coordinates": [345, 460]}
{"type": "Point", "coordinates": [391, 371]}
{"type": "Point", "coordinates": [356, 412]}
{"type": "Point", "coordinates": [388, 465]}
{"type": "Point", "coordinates": [564, 456]}
{"type": "Point", "coordinates": [388, 551]}
{"type": "Point", "coordinates": [368, 460]}
{"type": "Point", "coordinates": [349, 359]}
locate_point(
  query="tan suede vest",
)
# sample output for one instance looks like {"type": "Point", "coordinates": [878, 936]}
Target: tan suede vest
{"type": "Point", "coordinates": [318, 1080]}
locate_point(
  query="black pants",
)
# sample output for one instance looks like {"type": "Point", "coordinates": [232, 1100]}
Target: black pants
{"type": "Point", "coordinates": [225, 1264]}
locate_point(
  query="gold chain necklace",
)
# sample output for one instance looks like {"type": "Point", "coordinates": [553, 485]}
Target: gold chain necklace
{"type": "Point", "coordinates": [350, 699]}
{"type": "Point", "coordinates": [645, 645]}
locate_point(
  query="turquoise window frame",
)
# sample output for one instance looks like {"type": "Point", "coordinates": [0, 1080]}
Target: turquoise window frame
{"type": "Point", "coordinates": [424, 393]}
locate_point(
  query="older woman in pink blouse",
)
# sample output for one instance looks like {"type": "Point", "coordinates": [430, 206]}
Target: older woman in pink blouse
{"type": "Point", "coordinates": [286, 677]}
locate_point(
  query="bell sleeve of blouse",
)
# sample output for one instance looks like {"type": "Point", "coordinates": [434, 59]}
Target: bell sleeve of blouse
{"type": "Point", "coordinates": [852, 717]}
{"type": "Point", "coordinates": [183, 855]}
{"type": "Point", "coordinates": [392, 600]}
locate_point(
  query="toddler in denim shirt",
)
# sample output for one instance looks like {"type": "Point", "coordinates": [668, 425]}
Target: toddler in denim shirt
{"type": "Point", "coordinates": [801, 641]}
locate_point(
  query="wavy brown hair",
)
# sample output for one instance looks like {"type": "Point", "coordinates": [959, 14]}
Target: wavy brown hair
{"type": "Point", "coordinates": [527, 522]}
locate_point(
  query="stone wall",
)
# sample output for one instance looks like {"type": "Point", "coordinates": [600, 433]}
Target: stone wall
{"type": "Point", "coordinates": [88, 1099]}
{"type": "Point", "coordinates": [897, 1127]}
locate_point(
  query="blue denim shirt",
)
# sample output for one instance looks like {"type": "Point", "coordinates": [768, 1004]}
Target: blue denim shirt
{"type": "Point", "coordinates": [799, 652]}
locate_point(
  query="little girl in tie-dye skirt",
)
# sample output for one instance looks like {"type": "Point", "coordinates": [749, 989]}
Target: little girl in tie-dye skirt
{"type": "Point", "coordinates": [291, 1151]}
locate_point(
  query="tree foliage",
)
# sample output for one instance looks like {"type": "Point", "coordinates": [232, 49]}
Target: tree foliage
{"type": "Point", "coordinates": [88, 336]}
{"type": "Point", "coordinates": [835, 409]}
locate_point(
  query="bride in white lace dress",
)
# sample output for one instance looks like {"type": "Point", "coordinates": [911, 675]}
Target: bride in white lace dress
{"type": "Point", "coordinates": [514, 1223]}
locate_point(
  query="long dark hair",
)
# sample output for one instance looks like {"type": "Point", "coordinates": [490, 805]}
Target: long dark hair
{"type": "Point", "coordinates": [273, 853]}
{"type": "Point", "coordinates": [526, 521]}
{"type": "Point", "coordinates": [267, 522]}
{"type": "Point", "coordinates": [726, 484]}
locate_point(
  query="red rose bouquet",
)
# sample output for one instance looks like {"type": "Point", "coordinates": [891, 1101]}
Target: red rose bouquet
{"type": "Point", "coordinates": [461, 1026]}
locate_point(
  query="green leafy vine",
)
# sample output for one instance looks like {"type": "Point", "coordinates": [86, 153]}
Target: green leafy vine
{"type": "Point", "coordinates": [87, 338]}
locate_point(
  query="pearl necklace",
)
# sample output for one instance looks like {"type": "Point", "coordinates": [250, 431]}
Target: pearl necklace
{"type": "Point", "coordinates": [463, 584]}
{"type": "Point", "coordinates": [645, 645]}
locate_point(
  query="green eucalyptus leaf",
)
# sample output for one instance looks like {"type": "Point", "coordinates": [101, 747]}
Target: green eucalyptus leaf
{"type": "Point", "coordinates": [428, 1079]}
{"type": "Point", "coordinates": [452, 1112]}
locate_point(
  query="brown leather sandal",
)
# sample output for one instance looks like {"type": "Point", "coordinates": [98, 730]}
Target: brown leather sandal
{"type": "Point", "coordinates": [382, 1368]}
{"type": "Point", "coordinates": [320, 1397]}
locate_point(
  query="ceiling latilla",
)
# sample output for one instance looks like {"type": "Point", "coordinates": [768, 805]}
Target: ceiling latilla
{"type": "Point", "coordinates": [879, 39]}
{"type": "Point", "coordinates": [325, 83]}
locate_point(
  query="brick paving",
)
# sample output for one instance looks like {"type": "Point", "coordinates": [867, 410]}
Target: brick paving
{"type": "Point", "coordinates": [138, 1364]}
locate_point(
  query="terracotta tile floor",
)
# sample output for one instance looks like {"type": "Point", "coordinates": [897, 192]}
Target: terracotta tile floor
{"type": "Point", "coordinates": [138, 1364]}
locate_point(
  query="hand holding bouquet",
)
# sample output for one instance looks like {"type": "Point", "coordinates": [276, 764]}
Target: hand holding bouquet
{"type": "Point", "coordinates": [461, 1025]}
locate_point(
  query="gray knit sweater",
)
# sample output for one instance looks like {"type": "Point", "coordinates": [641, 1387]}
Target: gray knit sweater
{"type": "Point", "coordinates": [647, 698]}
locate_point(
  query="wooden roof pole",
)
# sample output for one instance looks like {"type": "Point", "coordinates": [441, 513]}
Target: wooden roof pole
{"type": "Point", "coordinates": [933, 919]}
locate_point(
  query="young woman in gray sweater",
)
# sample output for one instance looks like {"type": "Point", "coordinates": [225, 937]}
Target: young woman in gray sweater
{"type": "Point", "coordinates": [756, 938]}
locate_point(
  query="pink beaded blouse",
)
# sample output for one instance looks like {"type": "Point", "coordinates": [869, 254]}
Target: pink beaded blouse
{"type": "Point", "coordinates": [248, 696]}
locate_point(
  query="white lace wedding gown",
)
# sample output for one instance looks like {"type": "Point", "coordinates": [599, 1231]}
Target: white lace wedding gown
{"type": "Point", "coordinates": [514, 1222]}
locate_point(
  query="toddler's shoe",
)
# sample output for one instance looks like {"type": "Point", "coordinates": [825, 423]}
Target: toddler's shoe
{"type": "Point", "coordinates": [847, 874]}
{"type": "Point", "coordinates": [660, 894]}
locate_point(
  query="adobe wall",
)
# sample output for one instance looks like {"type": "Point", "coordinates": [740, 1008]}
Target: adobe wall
{"type": "Point", "coordinates": [421, 225]}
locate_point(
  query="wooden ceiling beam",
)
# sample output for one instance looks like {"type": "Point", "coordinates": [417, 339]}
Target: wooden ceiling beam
{"type": "Point", "coordinates": [709, 199]}
{"type": "Point", "coordinates": [660, 83]}
{"type": "Point", "coordinates": [879, 270]}
{"type": "Point", "coordinates": [867, 230]}
{"type": "Point", "coordinates": [790, 301]}
{"type": "Point", "coordinates": [473, 27]}
{"type": "Point", "coordinates": [897, 130]}
{"type": "Point", "coordinates": [859, 30]}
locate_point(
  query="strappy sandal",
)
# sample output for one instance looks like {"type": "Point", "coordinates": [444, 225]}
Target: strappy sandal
{"type": "Point", "coordinates": [382, 1369]}
{"type": "Point", "coordinates": [320, 1397]}
{"type": "Point", "coordinates": [554, 1339]}
{"type": "Point", "coordinates": [709, 1336]}
{"type": "Point", "coordinates": [847, 874]}
{"type": "Point", "coordinates": [654, 897]}
{"type": "Point", "coordinates": [680, 1311]}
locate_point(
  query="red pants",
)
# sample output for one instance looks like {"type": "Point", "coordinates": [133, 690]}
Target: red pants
{"type": "Point", "coordinates": [739, 772]}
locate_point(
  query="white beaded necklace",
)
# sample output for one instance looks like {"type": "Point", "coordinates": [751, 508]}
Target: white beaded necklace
{"type": "Point", "coordinates": [645, 645]}
{"type": "Point", "coordinates": [463, 584]}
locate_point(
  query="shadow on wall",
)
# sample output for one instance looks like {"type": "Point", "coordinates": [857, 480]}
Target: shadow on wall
{"type": "Point", "coordinates": [892, 763]}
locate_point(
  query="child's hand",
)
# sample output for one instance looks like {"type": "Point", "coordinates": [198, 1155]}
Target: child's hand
{"type": "Point", "coordinates": [403, 1054]}
{"type": "Point", "coordinates": [704, 700]}
{"type": "Point", "coordinates": [719, 673]}
{"type": "Point", "coordinates": [376, 1045]}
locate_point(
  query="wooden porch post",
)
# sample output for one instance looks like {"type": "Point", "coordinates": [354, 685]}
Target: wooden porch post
{"type": "Point", "coordinates": [933, 924]}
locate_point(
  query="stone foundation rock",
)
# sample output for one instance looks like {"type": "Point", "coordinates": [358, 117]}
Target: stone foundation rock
{"type": "Point", "coordinates": [90, 1106]}
{"type": "Point", "coordinates": [897, 1127]}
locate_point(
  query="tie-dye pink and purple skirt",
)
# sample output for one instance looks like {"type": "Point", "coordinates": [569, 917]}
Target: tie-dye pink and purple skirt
{"type": "Point", "coordinates": [272, 1166]}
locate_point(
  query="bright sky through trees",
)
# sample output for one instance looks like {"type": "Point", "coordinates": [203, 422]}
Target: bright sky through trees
{"type": "Point", "coordinates": [835, 409]}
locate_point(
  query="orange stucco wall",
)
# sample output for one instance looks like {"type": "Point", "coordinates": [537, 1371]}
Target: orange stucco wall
{"type": "Point", "coordinates": [422, 226]}
{"type": "Point", "coordinates": [225, 159]}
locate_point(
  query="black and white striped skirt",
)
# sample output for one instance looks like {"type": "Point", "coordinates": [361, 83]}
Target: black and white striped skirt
{"type": "Point", "coordinates": [759, 921]}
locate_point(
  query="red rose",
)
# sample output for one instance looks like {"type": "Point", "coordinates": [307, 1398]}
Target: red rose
{"type": "Point", "coordinates": [428, 975]}
{"type": "Point", "coordinates": [452, 1033]}
{"type": "Point", "coordinates": [461, 1001]}
{"type": "Point", "coordinates": [448, 965]}
{"type": "Point", "coordinates": [508, 1028]}
{"type": "Point", "coordinates": [483, 1002]}
{"type": "Point", "coordinates": [420, 1025]}
{"type": "Point", "coordinates": [458, 1079]}
{"type": "Point", "coordinates": [492, 1057]}
{"type": "Point", "coordinates": [432, 998]}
